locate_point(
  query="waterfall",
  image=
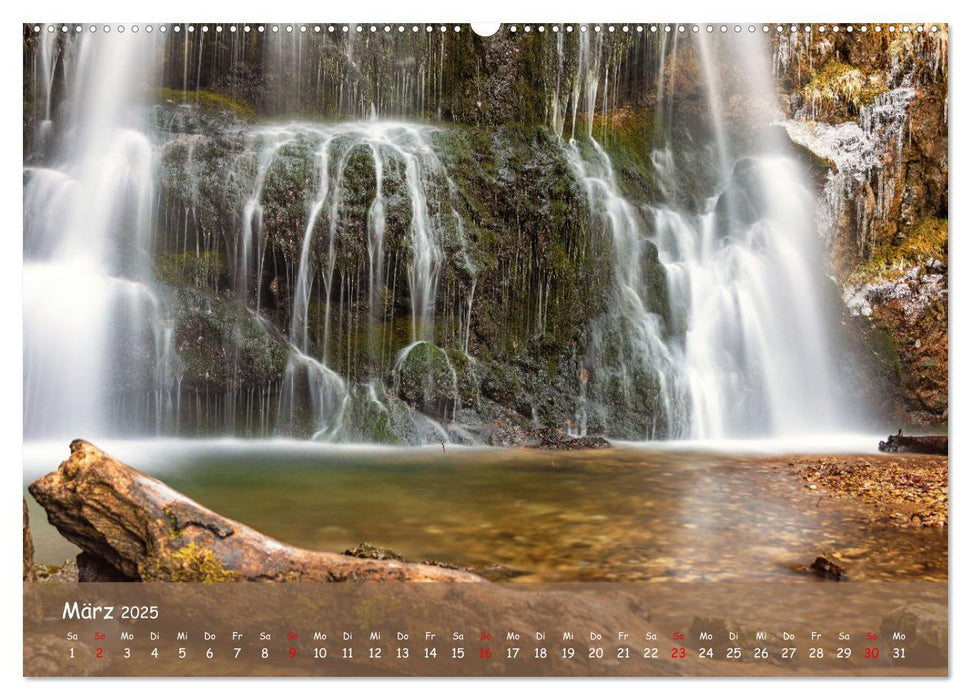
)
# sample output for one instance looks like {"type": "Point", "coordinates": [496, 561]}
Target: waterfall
{"type": "Point", "coordinates": [92, 319]}
{"type": "Point", "coordinates": [733, 342]}
{"type": "Point", "coordinates": [406, 151]}
{"type": "Point", "coordinates": [221, 258]}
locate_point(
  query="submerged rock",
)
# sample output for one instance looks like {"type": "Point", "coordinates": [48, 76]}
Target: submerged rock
{"type": "Point", "coordinates": [824, 568]}
{"type": "Point", "coordinates": [555, 440]}
{"type": "Point", "coordinates": [925, 628]}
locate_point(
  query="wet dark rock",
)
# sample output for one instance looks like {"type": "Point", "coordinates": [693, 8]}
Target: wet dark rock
{"type": "Point", "coordinates": [92, 569]}
{"type": "Point", "coordinates": [824, 568]}
{"type": "Point", "coordinates": [426, 379]}
{"type": "Point", "coordinates": [919, 444]}
{"type": "Point", "coordinates": [558, 440]}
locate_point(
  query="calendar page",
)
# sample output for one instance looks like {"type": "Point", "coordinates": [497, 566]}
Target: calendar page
{"type": "Point", "coordinates": [551, 349]}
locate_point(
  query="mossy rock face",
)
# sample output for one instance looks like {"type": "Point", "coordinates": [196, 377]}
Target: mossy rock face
{"type": "Point", "coordinates": [220, 342]}
{"type": "Point", "coordinates": [203, 270]}
{"type": "Point", "coordinates": [839, 88]}
{"type": "Point", "coordinates": [184, 116]}
{"type": "Point", "coordinates": [922, 244]}
{"type": "Point", "coordinates": [209, 102]}
{"type": "Point", "coordinates": [367, 417]}
{"type": "Point", "coordinates": [425, 379]}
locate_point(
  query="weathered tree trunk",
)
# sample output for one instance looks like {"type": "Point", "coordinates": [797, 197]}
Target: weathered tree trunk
{"type": "Point", "coordinates": [134, 527]}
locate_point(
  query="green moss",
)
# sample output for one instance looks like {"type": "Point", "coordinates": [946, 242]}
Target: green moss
{"type": "Point", "coordinates": [190, 269]}
{"type": "Point", "coordinates": [191, 563]}
{"type": "Point", "coordinates": [425, 379]}
{"type": "Point", "coordinates": [840, 83]}
{"type": "Point", "coordinates": [207, 100]}
{"type": "Point", "coordinates": [926, 240]}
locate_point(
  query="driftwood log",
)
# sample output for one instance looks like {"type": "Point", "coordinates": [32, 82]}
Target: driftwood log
{"type": "Point", "coordinates": [918, 444]}
{"type": "Point", "coordinates": [130, 526]}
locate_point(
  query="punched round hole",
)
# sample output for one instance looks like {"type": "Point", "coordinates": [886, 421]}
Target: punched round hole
{"type": "Point", "coordinates": [484, 29]}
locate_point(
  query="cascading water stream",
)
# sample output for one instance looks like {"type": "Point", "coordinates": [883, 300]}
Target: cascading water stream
{"type": "Point", "coordinates": [738, 344]}
{"type": "Point", "coordinates": [407, 151]}
{"type": "Point", "coordinates": [343, 244]}
{"type": "Point", "coordinates": [92, 320]}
